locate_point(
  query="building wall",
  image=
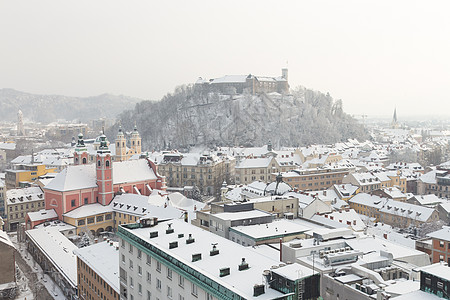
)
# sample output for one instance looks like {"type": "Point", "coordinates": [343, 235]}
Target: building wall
{"type": "Point", "coordinates": [142, 275]}
{"type": "Point", "coordinates": [440, 251]}
{"type": "Point", "coordinates": [7, 264]}
{"type": "Point", "coordinates": [16, 212]}
{"type": "Point", "coordinates": [279, 207]}
{"type": "Point", "coordinates": [95, 223]}
{"type": "Point", "coordinates": [93, 286]}
{"type": "Point", "coordinates": [207, 177]}
{"type": "Point", "coordinates": [319, 180]}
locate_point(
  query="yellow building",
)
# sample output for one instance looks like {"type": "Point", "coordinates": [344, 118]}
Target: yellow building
{"type": "Point", "coordinates": [95, 218]}
{"type": "Point", "coordinates": [25, 174]}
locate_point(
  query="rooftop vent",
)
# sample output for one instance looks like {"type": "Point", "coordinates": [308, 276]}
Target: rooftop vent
{"type": "Point", "coordinates": [224, 272]}
{"type": "Point", "coordinates": [258, 289]}
{"type": "Point", "coordinates": [190, 239]}
{"type": "Point", "coordinates": [153, 234]}
{"type": "Point", "coordinates": [243, 266]}
{"type": "Point", "coordinates": [173, 245]}
{"type": "Point", "coordinates": [214, 250]}
{"type": "Point", "coordinates": [169, 230]}
{"type": "Point", "coordinates": [196, 257]}
{"type": "Point", "coordinates": [180, 235]}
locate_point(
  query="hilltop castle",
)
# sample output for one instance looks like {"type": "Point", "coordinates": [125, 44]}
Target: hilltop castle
{"type": "Point", "coordinates": [238, 84]}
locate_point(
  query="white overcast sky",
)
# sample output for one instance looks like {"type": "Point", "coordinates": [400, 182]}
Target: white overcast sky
{"type": "Point", "coordinates": [374, 55]}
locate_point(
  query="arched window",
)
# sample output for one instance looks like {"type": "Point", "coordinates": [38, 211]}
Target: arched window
{"type": "Point", "coordinates": [138, 143]}
{"type": "Point", "coordinates": [133, 143]}
{"type": "Point", "coordinates": [53, 202]}
{"type": "Point", "coordinates": [107, 163]}
{"type": "Point", "coordinates": [84, 161]}
{"type": "Point", "coordinates": [118, 144]}
{"type": "Point", "coordinates": [99, 163]}
{"type": "Point", "coordinates": [76, 160]}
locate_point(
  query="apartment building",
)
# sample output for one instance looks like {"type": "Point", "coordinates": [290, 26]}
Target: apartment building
{"type": "Point", "coordinates": [175, 260]}
{"type": "Point", "coordinates": [97, 271]}
{"type": "Point", "coordinates": [205, 171]}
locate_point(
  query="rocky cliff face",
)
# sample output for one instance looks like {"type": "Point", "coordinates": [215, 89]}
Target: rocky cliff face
{"type": "Point", "coordinates": [191, 117]}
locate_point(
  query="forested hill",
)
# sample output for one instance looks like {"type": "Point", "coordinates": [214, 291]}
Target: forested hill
{"type": "Point", "coordinates": [49, 108]}
{"type": "Point", "coordinates": [190, 117]}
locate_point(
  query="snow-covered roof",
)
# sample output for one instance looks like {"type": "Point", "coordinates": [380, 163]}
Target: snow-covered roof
{"type": "Point", "coordinates": [407, 210]}
{"type": "Point", "coordinates": [131, 171]}
{"type": "Point", "coordinates": [84, 176]}
{"type": "Point", "coordinates": [7, 146]}
{"type": "Point", "coordinates": [429, 177]}
{"type": "Point", "coordinates": [4, 238]}
{"type": "Point", "coordinates": [441, 234]}
{"type": "Point", "coordinates": [242, 215]}
{"type": "Point", "coordinates": [74, 178]}
{"type": "Point", "coordinates": [230, 79]}
{"type": "Point", "coordinates": [255, 162]}
{"type": "Point", "coordinates": [88, 210]}
{"type": "Point", "coordinates": [273, 229]}
{"type": "Point", "coordinates": [58, 249]}
{"type": "Point", "coordinates": [103, 258]}
{"type": "Point", "coordinates": [24, 195]}
{"type": "Point", "coordinates": [43, 214]}
{"type": "Point", "coordinates": [440, 270]}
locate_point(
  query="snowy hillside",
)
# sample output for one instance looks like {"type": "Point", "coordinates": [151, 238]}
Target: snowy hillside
{"type": "Point", "coordinates": [48, 108]}
{"type": "Point", "coordinates": [191, 117]}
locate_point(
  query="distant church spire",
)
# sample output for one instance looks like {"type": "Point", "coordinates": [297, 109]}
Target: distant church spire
{"type": "Point", "coordinates": [394, 119]}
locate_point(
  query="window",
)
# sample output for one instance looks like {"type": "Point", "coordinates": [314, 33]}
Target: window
{"type": "Point", "coordinates": [139, 254]}
{"type": "Point", "coordinates": [99, 218]}
{"type": "Point", "coordinates": [81, 222]}
{"type": "Point", "coordinates": [180, 297]}
{"type": "Point", "coordinates": [123, 258]}
{"type": "Point", "coordinates": [149, 295]}
{"type": "Point", "coordinates": [140, 270]}
{"type": "Point", "coordinates": [123, 243]}
{"type": "Point", "coordinates": [140, 289]}
{"type": "Point", "coordinates": [181, 281]}
{"type": "Point", "coordinates": [90, 220]}
{"type": "Point", "coordinates": [130, 248]}
{"type": "Point", "coordinates": [131, 264]}
{"type": "Point", "coordinates": [131, 282]}
{"type": "Point", "coordinates": [158, 284]}
{"type": "Point", "coordinates": [194, 291]}
{"type": "Point", "coordinates": [169, 292]}
{"type": "Point", "coordinates": [86, 200]}
{"type": "Point", "coordinates": [158, 266]}
{"type": "Point", "coordinates": [149, 260]}
{"type": "Point", "coordinates": [441, 244]}
{"type": "Point", "coordinates": [209, 297]}
{"type": "Point", "coordinates": [149, 277]}
{"type": "Point", "coordinates": [169, 273]}
{"type": "Point", "coordinates": [72, 203]}
{"type": "Point", "coordinates": [108, 217]}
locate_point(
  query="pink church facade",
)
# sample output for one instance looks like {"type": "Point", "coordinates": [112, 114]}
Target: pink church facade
{"type": "Point", "coordinates": [84, 183]}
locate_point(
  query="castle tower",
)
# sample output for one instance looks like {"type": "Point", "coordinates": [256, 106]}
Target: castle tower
{"type": "Point", "coordinates": [104, 172]}
{"type": "Point", "coordinates": [20, 128]}
{"type": "Point", "coordinates": [135, 141]}
{"type": "Point", "coordinates": [121, 146]}
{"type": "Point", "coordinates": [284, 73]}
{"type": "Point", "coordinates": [80, 156]}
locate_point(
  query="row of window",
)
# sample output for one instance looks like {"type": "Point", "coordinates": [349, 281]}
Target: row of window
{"type": "Point", "coordinates": [92, 280]}
{"type": "Point", "coordinates": [27, 206]}
{"type": "Point", "coordinates": [91, 220]}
